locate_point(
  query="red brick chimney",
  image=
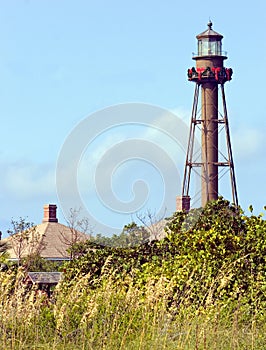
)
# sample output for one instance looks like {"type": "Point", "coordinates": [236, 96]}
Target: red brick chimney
{"type": "Point", "coordinates": [49, 213]}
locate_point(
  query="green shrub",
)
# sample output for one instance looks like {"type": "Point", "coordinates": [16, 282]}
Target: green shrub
{"type": "Point", "coordinates": [201, 287]}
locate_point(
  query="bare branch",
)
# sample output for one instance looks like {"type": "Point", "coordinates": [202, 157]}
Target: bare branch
{"type": "Point", "coordinates": [78, 229]}
{"type": "Point", "coordinates": [153, 224]}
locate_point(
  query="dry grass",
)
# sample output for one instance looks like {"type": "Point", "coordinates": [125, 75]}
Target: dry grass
{"type": "Point", "coordinates": [114, 317]}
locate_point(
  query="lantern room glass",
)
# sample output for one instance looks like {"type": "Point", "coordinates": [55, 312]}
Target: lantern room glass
{"type": "Point", "coordinates": [209, 47]}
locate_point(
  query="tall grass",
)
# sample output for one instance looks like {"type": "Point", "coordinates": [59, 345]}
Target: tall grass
{"type": "Point", "coordinates": [115, 316]}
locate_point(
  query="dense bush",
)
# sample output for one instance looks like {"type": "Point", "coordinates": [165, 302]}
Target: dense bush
{"type": "Point", "coordinates": [213, 254]}
{"type": "Point", "coordinates": [201, 287]}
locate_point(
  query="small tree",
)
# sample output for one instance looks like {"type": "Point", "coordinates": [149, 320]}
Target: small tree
{"type": "Point", "coordinates": [24, 238]}
{"type": "Point", "coordinates": [131, 235]}
{"type": "Point", "coordinates": [78, 228]}
{"type": "Point", "coordinates": [135, 234]}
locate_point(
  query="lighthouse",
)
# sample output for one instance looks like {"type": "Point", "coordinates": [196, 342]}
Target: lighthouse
{"type": "Point", "coordinates": [209, 76]}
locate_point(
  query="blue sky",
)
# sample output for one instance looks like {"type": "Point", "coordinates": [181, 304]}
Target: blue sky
{"type": "Point", "coordinates": [61, 61]}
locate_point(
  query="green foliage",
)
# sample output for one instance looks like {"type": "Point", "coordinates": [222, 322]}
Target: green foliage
{"type": "Point", "coordinates": [34, 262]}
{"type": "Point", "coordinates": [131, 235]}
{"type": "Point", "coordinates": [208, 254]}
{"type": "Point", "coordinates": [201, 287]}
{"type": "Point", "coordinates": [20, 225]}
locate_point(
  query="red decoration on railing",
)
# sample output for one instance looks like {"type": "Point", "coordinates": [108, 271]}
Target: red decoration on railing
{"type": "Point", "coordinates": [229, 73]}
{"type": "Point", "coordinates": [216, 72]}
{"type": "Point", "coordinates": [220, 74]}
{"type": "Point", "coordinates": [200, 71]}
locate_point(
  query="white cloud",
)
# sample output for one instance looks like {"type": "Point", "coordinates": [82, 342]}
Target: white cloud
{"type": "Point", "coordinates": [25, 180]}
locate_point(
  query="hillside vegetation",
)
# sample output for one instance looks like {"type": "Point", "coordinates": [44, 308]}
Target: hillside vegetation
{"type": "Point", "coordinates": [201, 287]}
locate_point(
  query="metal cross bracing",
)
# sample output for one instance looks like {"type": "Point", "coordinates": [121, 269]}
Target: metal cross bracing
{"type": "Point", "coordinates": [198, 160]}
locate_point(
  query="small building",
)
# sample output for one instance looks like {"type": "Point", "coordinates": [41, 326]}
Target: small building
{"type": "Point", "coordinates": [44, 281]}
{"type": "Point", "coordinates": [50, 239]}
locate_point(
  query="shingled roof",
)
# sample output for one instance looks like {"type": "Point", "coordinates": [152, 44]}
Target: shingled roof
{"type": "Point", "coordinates": [52, 239]}
{"type": "Point", "coordinates": [44, 277]}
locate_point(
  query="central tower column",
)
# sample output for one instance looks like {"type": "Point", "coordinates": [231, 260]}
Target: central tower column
{"type": "Point", "coordinates": [209, 156]}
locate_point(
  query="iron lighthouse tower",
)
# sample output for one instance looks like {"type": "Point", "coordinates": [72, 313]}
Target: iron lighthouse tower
{"type": "Point", "coordinates": [209, 77]}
